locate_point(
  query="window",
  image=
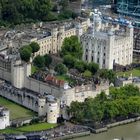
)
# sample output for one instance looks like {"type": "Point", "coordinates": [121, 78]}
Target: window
{"type": "Point", "coordinates": [104, 54]}
{"type": "Point", "coordinates": [98, 53]}
{"type": "Point", "coordinates": [86, 50]}
{"type": "Point", "coordinates": [92, 58]}
{"type": "Point", "coordinates": [98, 60]}
{"type": "Point", "coordinates": [86, 57]}
{"type": "Point", "coordinates": [103, 61]}
{"type": "Point", "coordinates": [82, 95]}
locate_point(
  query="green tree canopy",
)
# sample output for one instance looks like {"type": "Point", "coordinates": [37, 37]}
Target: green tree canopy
{"type": "Point", "coordinates": [28, 11]}
{"type": "Point", "coordinates": [48, 60]}
{"type": "Point", "coordinates": [87, 74]}
{"type": "Point", "coordinates": [35, 47]}
{"type": "Point", "coordinates": [107, 74]}
{"type": "Point", "coordinates": [39, 61]}
{"type": "Point", "coordinates": [25, 54]}
{"type": "Point", "coordinates": [121, 102]}
{"type": "Point", "coordinates": [61, 69]}
{"type": "Point", "coordinates": [80, 66]}
{"type": "Point", "coordinates": [69, 61]}
{"type": "Point", "coordinates": [72, 46]}
{"type": "Point", "coordinates": [93, 67]}
{"type": "Point", "coordinates": [64, 4]}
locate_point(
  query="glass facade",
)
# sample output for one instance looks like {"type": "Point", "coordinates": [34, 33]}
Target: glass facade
{"type": "Point", "coordinates": [129, 7]}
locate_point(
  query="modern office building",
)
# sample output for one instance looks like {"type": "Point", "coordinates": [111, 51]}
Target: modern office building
{"type": "Point", "coordinates": [128, 7]}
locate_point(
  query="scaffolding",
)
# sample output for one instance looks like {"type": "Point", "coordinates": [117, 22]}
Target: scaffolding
{"type": "Point", "coordinates": [129, 7]}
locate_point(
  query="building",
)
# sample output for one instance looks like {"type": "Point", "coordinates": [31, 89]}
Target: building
{"type": "Point", "coordinates": [128, 7]}
{"type": "Point", "coordinates": [4, 118]}
{"type": "Point", "coordinates": [44, 105]}
{"type": "Point", "coordinates": [48, 36]}
{"type": "Point", "coordinates": [136, 51]}
{"type": "Point", "coordinates": [122, 81]}
{"type": "Point", "coordinates": [43, 93]}
{"type": "Point", "coordinates": [107, 43]}
{"type": "Point", "coordinates": [13, 70]}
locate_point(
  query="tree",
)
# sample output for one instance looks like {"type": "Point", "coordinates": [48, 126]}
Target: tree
{"type": "Point", "coordinates": [9, 13]}
{"type": "Point", "coordinates": [61, 69]}
{"type": "Point", "coordinates": [107, 74]}
{"type": "Point", "coordinates": [76, 110]}
{"type": "Point", "coordinates": [28, 47]}
{"type": "Point", "coordinates": [93, 67]}
{"type": "Point", "coordinates": [25, 54]}
{"type": "Point", "coordinates": [72, 46]}
{"type": "Point", "coordinates": [102, 97]}
{"type": "Point", "coordinates": [48, 60]}
{"type": "Point", "coordinates": [121, 103]}
{"type": "Point", "coordinates": [39, 61]}
{"type": "Point", "coordinates": [110, 110]}
{"type": "Point", "coordinates": [80, 66]}
{"type": "Point", "coordinates": [87, 74]}
{"type": "Point", "coordinates": [64, 4]}
{"type": "Point", "coordinates": [35, 47]}
{"type": "Point", "coordinates": [69, 61]}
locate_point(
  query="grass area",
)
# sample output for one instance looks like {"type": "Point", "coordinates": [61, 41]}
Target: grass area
{"type": "Point", "coordinates": [63, 77]}
{"type": "Point", "coordinates": [16, 111]}
{"type": "Point", "coordinates": [135, 72]}
{"type": "Point", "coordinates": [66, 78]}
{"type": "Point", "coordinates": [29, 128]}
{"type": "Point", "coordinates": [33, 69]}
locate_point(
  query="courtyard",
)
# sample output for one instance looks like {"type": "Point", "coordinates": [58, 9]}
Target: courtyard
{"type": "Point", "coordinates": [135, 72]}
{"type": "Point", "coordinates": [16, 111]}
{"type": "Point", "coordinates": [28, 128]}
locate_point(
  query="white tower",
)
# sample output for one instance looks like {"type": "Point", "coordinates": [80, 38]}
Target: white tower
{"type": "Point", "coordinates": [79, 30]}
{"type": "Point", "coordinates": [97, 21]}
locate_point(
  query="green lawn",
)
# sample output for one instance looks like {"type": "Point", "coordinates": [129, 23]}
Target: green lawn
{"type": "Point", "coordinates": [16, 111]}
{"type": "Point", "coordinates": [63, 77]}
{"type": "Point", "coordinates": [66, 78]}
{"type": "Point", "coordinates": [135, 72]}
{"type": "Point", "coordinates": [33, 69]}
{"type": "Point", "coordinates": [29, 128]}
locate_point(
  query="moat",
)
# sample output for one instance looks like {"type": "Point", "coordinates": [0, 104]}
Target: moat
{"type": "Point", "coordinates": [128, 132]}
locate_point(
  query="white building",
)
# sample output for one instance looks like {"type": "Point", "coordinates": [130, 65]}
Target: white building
{"type": "Point", "coordinates": [49, 36]}
{"type": "Point", "coordinates": [107, 43]}
{"type": "Point", "coordinates": [4, 118]}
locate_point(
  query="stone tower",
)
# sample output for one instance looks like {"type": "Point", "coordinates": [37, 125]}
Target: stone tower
{"type": "Point", "coordinates": [54, 33]}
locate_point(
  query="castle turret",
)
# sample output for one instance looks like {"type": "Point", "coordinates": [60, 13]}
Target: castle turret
{"type": "Point", "coordinates": [54, 33]}
{"type": "Point", "coordinates": [61, 36]}
{"type": "Point", "coordinates": [52, 109]}
{"type": "Point", "coordinates": [129, 29]}
{"type": "Point", "coordinates": [97, 21]}
{"type": "Point", "coordinates": [79, 30]}
{"type": "Point", "coordinates": [41, 107]}
{"type": "Point", "coordinates": [130, 34]}
{"type": "Point", "coordinates": [111, 38]}
{"type": "Point", "coordinates": [17, 74]}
